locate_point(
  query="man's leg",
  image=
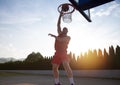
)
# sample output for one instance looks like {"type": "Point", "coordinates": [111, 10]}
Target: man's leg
{"type": "Point", "coordinates": [69, 71]}
{"type": "Point", "coordinates": [56, 73]}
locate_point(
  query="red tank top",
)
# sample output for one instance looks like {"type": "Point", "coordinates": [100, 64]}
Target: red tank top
{"type": "Point", "coordinates": [61, 45]}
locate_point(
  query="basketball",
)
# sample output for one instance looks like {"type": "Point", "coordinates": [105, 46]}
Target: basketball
{"type": "Point", "coordinates": [65, 7]}
{"type": "Point", "coordinates": [66, 10]}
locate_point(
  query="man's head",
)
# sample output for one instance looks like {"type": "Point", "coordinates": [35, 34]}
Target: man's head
{"type": "Point", "coordinates": [65, 30]}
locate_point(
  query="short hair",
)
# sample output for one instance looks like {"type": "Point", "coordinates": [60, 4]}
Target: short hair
{"type": "Point", "coordinates": [65, 30]}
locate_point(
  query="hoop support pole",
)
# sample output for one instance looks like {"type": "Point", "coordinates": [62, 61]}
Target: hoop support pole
{"type": "Point", "coordinates": [80, 10]}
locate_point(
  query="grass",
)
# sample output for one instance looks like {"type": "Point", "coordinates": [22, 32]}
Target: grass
{"type": "Point", "coordinates": [12, 74]}
{"type": "Point", "coordinates": [21, 74]}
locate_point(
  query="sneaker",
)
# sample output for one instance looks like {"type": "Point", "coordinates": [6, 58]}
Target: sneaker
{"type": "Point", "coordinates": [58, 84]}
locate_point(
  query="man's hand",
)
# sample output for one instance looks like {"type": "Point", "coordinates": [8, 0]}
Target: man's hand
{"type": "Point", "coordinates": [52, 35]}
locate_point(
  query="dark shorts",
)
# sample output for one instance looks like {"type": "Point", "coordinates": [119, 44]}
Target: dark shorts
{"type": "Point", "coordinates": [59, 57]}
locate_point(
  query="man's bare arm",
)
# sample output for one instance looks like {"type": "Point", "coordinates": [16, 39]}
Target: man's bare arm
{"type": "Point", "coordinates": [59, 24]}
{"type": "Point", "coordinates": [52, 35]}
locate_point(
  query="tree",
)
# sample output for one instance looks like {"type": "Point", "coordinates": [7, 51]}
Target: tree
{"type": "Point", "coordinates": [105, 58]}
{"type": "Point", "coordinates": [117, 57]}
{"type": "Point", "coordinates": [100, 53]}
{"type": "Point", "coordinates": [33, 57]}
{"type": "Point", "coordinates": [111, 57]}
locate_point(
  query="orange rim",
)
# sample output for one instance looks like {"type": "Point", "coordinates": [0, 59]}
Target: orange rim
{"type": "Point", "coordinates": [66, 4]}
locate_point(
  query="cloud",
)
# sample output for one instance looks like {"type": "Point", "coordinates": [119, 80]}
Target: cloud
{"type": "Point", "coordinates": [20, 12]}
{"type": "Point", "coordinates": [8, 49]}
{"type": "Point", "coordinates": [106, 10]}
{"type": "Point", "coordinates": [19, 18]}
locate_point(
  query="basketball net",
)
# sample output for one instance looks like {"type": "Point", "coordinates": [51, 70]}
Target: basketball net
{"type": "Point", "coordinates": [67, 18]}
{"type": "Point", "coordinates": [67, 10]}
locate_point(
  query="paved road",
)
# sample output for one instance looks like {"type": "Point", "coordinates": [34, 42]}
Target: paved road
{"type": "Point", "coordinates": [80, 73]}
{"type": "Point", "coordinates": [48, 80]}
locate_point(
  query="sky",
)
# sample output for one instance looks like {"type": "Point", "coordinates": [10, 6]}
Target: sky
{"type": "Point", "coordinates": [25, 24]}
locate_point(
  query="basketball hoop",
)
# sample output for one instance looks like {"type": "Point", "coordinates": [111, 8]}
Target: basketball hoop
{"type": "Point", "coordinates": [67, 10]}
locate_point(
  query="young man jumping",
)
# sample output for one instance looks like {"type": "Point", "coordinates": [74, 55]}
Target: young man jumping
{"type": "Point", "coordinates": [60, 56]}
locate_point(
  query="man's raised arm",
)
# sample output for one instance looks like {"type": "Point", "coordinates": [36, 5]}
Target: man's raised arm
{"type": "Point", "coordinates": [58, 24]}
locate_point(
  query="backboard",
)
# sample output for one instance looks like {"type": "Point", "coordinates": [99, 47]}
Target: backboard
{"type": "Point", "coordinates": [83, 5]}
